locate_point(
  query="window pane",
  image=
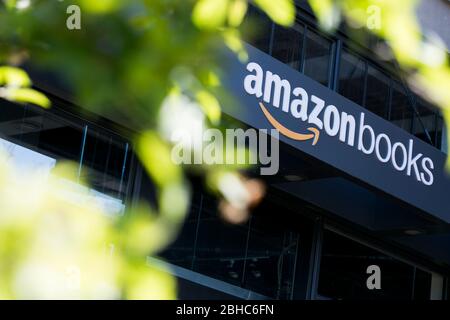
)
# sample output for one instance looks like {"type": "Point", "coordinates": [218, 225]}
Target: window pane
{"type": "Point", "coordinates": [401, 110]}
{"type": "Point", "coordinates": [343, 271]}
{"type": "Point", "coordinates": [439, 134]}
{"type": "Point", "coordinates": [351, 77]}
{"type": "Point", "coordinates": [106, 162]}
{"type": "Point", "coordinates": [422, 285]}
{"type": "Point", "coordinates": [257, 29]}
{"type": "Point", "coordinates": [425, 122]}
{"type": "Point", "coordinates": [317, 57]}
{"type": "Point", "coordinates": [377, 92]}
{"type": "Point", "coordinates": [181, 252]}
{"type": "Point", "coordinates": [44, 136]}
{"type": "Point", "coordinates": [271, 254]}
{"type": "Point", "coordinates": [287, 45]}
{"type": "Point", "coordinates": [221, 247]}
{"type": "Point", "coordinates": [40, 131]}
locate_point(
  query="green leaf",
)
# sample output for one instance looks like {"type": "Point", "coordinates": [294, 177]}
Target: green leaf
{"type": "Point", "coordinates": [232, 39]}
{"type": "Point", "coordinates": [210, 14]}
{"type": "Point", "coordinates": [25, 95]}
{"type": "Point", "coordinates": [100, 6]}
{"type": "Point", "coordinates": [236, 12]}
{"type": "Point", "coordinates": [156, 158]}
{"type": "Point", "coordinates": [210, 105]}
{"type": "Point", "coordinates": [14, 77]}
{"type": "Point", "coordinates": [280, 11]}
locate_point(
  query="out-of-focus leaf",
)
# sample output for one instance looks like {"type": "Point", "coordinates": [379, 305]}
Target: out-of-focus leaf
{"type": "Point", "coordinates": [236, 12]}
{"type": "Point", "coordinates": [150, 283]}
{"type": "Point", "coordinates": [174, 211]}
{"type": "Point", "coordinates": [14, 77]}
{"type": "Point", "coordinates": [233, 40]}
{"type": "Point", "coordinates": [327, 12]}
{"type": "Point", "coordinates": [25, 95]}
{"type": "Point", "coordinates": [101, 6]}
{"type": "Point", "coordinates": [280, 11]}
{"type": "Point", "coordinates": [210, 14]}
{"type": "Point", "coordinates": [156, 158]}
{"type": "Point", "coordinates": [10, 4]}
{"type": "Point", "coordinates": [210, 106]}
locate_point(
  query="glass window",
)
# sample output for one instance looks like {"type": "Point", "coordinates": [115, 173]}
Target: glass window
{"type": "Point", "coordinates": [377, 92]}
{"type": "Point", "coordinates": [271, 254]}
{"type": "Point", "coordinates": [106, 161]}
{"type": "Point", "coordinates": [257, 29]}
{"type": "Point", "coordinates": [425, 121]}
{"type": "Point", "coordinates": [343, 273]}
{"type": "Point", "coordinates": [440, 136]}
{"type": "Point", "coordinates": [352, 77]}
{"type": "Point", "coordinates": [182, 251]}
{"type": "Point", "coordinates": [35, 134]}
{"type": "Point", "coordinates": [261, 255]}
{"type": "Point", "coordinates": [39, 130]}
{"type": "Point", "coordinates": [221, 247]}
{"type": "Point", "coordinates": [317, 57]}
{"type": "Point", "coordinates": [401, 112]}
{"type": "Point", "coordinates": [287, 45]}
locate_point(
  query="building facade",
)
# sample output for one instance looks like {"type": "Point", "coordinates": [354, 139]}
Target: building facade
{"type": "Point", "coordinates": [331, 212]}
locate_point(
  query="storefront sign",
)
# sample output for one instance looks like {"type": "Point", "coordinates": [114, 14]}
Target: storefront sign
{"type": "Point", "coordinates": [329, 127]}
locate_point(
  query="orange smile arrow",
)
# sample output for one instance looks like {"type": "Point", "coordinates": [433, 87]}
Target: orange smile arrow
{"type": "Point", "coordinates": [289, 133]}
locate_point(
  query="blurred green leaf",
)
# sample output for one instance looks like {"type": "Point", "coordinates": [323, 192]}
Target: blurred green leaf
{"type": "Point", "coordinates": [100, 6]}
{"type": "Point", "coordinates": [14, 77]}
{"type": "Point", "coordinates": [210, 14]}
{"type": "Point", "coordinates": [233, 40]}
{"type": "Point", "coordinates": [236, 12]}
{"type": "Point", "coordinates": [280, 11]}
{"type": "Point", "coordinates": [210, 105]}
{"type": "Point", "coordinates": [25, 95]}
{"type": "Point", "coordinates": [155, 155]}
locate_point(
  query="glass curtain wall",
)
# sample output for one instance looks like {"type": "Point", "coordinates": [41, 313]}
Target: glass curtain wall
{"type": "Point", "coordinates": [260, 255]}
{"type": "Point", "coordinates": [305, 49]}
{"type": "Point", "coordinates": [36, 137]}
{"type": "Point", "coordinates": [344, 273]}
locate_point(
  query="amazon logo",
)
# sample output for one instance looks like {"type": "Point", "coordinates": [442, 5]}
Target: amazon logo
{"type": "Point", "coordinates": [320, 118]}
{"type": "Point", "coordinates": [279, 93]}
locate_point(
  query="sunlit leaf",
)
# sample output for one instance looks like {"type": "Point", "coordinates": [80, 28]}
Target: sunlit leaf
{"type": "Point", "coordinates": [101, 6]}
{"type": "Point", "coordinates": [236, 12]}
{"type": "Point", "coordinates": [280, 11]}
{"type": "Point", "coordinates": [156, 158]}
{"type": "Point", "coordinates": [327, 12]}
{"type": "Point", "coordinates": [14, 77]}
{"type": "Point", "coordinates": [25, 95]}
{"type": "Point", "coordinates": [210, 105]}
{"type": "Point", "coordinates": [233, 40]}
{"type": "Point", "coordinates": [210, 14]}
{"type": "Point", "coordinates": [150, 283]}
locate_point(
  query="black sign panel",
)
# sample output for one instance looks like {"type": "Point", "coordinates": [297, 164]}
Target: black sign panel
{"type": "Point", "coordinates": [329, 127]}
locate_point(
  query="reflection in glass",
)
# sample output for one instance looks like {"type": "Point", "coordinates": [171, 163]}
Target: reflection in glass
{"type": "Point", "coordinates": [377, 91]}
{"type": "Point", "coordinates": [221, 247]}
{"type": "Point", "coordinates": [257, 29]}
{"type": "Point", "coordinates": [401, 113]}
{"type": "Point", "coordinates": [38, 138]}
{"type": "Point", "coordinates": [271, 255]}
{"type": "Point", "coordinates": [343, 272]}
{"type": "Point", "coordinates": [287, 45]}
{"type": "Point", "coordinates": [317, 57]}
{"type": "Point", "coordinates": [182, 251]}
{"type": "Point", "coordinates": [424, 121]}
{"type": "Point", "coordinates": [351, 77]}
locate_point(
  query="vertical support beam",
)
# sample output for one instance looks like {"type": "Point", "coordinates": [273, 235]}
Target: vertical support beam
{"type": "Point", "coordinates": [316, 252]}
{"type": "Point", "coordinates": [83, 145]}
{"type": "Point", "coordinates": [334, 81]}
{"type": "Point", "coordinates": [437, 286]}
